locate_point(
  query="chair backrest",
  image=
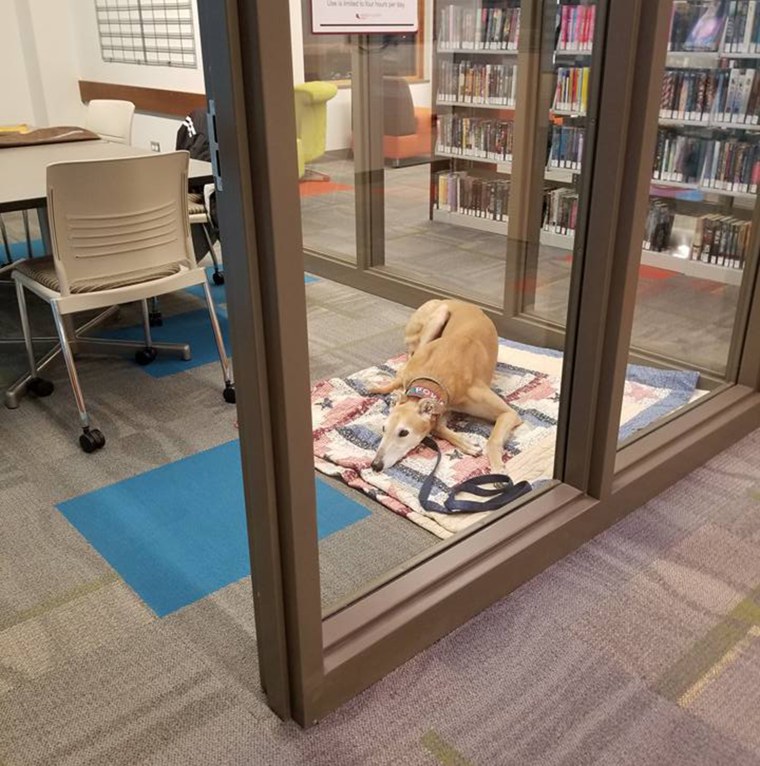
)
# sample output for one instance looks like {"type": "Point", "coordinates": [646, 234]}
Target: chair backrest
{"type": "Point", "coordinates": [118, 217]}
{"type": "Point", "coordinates": [311, 116]}
{"type": "Point", "coordinates": [111, 119]}
{"type": "Point", "coordinates": [398, 108]}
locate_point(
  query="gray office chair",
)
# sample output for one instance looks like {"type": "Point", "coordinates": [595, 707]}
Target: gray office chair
{"type": "Point", "coordinates": [120, 233]}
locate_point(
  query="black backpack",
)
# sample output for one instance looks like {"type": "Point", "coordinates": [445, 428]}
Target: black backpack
{"type": "Point", "coordinates": [192, 136]}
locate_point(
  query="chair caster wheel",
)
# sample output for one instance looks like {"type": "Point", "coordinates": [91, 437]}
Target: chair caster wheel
{"type": "Point", "coordinates": [218, 278]}
{"type": "Point", "coordinates": [91, 440]}
{"type": "Point", "coordinates": [155, 319]}
{"type": "Point", "coordinates": [40, 387]}
{"type": "Point", "coordinates": [229, 394]}
{"type": "Point", "coordinates": [145, 355]}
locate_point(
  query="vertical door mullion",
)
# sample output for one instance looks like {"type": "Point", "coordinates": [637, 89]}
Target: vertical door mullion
{"type": "Point", "coordinates": [744, 353]}
{"type": "Point", "coordinates": [221, 58]}
{"type": "Point", "coordinates": [369, 162]}
{"type": "Point", "coordinates": [631, 64]}
{"type": "Point", "coordinates": [535, 84]}
{"type": "Point", "coordinates": [248, 66]}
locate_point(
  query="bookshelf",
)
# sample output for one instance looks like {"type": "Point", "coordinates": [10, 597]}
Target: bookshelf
{"type": "Point", "coordinates": [707, 166]}
{"type": "Point", "coordinates": [474, 89]}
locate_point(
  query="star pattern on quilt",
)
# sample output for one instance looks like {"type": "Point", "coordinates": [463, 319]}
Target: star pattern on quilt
{"type": "Point", "coordinates": [326, 403]}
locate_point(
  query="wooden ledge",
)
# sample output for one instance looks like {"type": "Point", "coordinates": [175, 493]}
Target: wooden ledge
{"type": "Point", "coordinates": [176, 103]}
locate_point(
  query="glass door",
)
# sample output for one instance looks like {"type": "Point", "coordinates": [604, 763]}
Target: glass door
{"type": "Point", "coordinates": [700, 238]}
{"type": "Point", "coordinates": [466, 142]}
{"type": "Point", "coordinates": [354, 569]}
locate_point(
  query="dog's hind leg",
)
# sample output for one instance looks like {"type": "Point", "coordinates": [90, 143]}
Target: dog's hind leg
{"type": "Point", "coordinates": [434, 326]}
{"type": "Point", "coordinates": [484, 403]}
{"type": "Point", "coordinates": [425, 324]}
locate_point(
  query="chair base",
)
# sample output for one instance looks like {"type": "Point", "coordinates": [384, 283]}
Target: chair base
{"type": "Point", "coordinates": [18, 390]}
{"type": "Point", "coordinates": [91, 440]}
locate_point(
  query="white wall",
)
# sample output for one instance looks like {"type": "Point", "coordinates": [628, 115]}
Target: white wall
{"type": "Point", "coordinates": [49, 45]}
{"type": "Point", "coordinates": [15, 96]}
{"type": "Point", "coordinates": [146, 127]}
{"type": "Point", "coordinates": [49, 36]}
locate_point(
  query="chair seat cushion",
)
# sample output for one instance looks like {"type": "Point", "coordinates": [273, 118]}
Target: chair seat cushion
{"type": "Point", "coordinates": [42, 270]}
{"type": "Point", "coordinates": [195, 204]}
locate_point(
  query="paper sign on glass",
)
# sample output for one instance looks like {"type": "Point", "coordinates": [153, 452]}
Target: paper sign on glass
{"type": "Point", "coordinates": [363, 16]}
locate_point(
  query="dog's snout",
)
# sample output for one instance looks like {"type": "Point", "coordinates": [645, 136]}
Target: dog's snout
{"type": "Point", "coordinates": [377, 465]}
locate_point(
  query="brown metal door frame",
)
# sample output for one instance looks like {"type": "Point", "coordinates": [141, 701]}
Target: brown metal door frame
{"type": "Point", "coordinates": [259, 211]}
{"type": "Point", "coordinates": [310, 665]}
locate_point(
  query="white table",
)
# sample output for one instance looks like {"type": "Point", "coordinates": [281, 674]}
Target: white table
{"type": "Point", "coordinates": [23, 168]}
{"type": "Point", "coordinates": [23, 186]}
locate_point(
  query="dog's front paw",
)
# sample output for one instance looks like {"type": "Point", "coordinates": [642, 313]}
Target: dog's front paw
{"type": "Point", "coordinates": [383, 385]}
{"type": "Point", "coordinates": [471, 449]}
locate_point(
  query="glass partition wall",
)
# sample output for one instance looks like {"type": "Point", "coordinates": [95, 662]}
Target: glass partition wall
{"type": "Point", "coordinates": [699, 245]}
{"type": "Point", "coordinates": [511, 170]}
{"type": "Point", "coordinates": [464, 186]}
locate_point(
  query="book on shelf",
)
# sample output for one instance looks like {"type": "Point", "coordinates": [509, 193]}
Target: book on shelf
{"type": "Point", "coordinates": [678, 158]}
{"type": "Point", "coordinates": [566, 147]}
{"type": "Point", "coordinates": [732, 166]}
{"type": "Point", "coordinates": [487, 28]}
{"type": "Point", "coordinates": [475, 137]}
{"type": "Point", "coordinates": [560, 211]}
{"type": "Point", "coordinates": [571, 91]}
{"type": "Point", "coordinates": [697, 26]}
{"type": "Point", "coordinates": [721, 240]}
{"type": "Point", "coordinates": [576, 26]}
{"type": "Point", "coordinates": [718, 95]}
{"type": "Point", "coordinates": [471, 82]}
{"type": "Point", "coordinates": [459, 192]}
{"type": "Point", "coordinates": [658, 227]}
{"type": "Point", "coordinates": [688, 94]}
{"type": "Point", "coordinates": [742, 27]}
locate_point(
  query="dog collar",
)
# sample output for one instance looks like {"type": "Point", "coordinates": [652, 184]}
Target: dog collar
{"type": "Point", "coordinates": [418, 389]}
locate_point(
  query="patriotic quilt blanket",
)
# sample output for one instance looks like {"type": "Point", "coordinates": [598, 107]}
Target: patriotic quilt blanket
{"type": "Point", "coordinates": [347, 423]}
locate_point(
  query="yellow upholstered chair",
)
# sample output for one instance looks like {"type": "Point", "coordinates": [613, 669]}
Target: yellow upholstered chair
{"type": "Point", "coordinates": [311, 123]}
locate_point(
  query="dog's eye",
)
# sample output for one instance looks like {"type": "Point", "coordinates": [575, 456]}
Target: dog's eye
{"type": "Point", "coordinates": [403, 432]}
{"type": "Point", "coordinates": [383, 429]}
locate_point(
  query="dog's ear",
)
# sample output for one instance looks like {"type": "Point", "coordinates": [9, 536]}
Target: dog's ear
{"type": "Point", "coordinates": [430, 407]}
{"type": "Point", "coordinates": [397, 397]}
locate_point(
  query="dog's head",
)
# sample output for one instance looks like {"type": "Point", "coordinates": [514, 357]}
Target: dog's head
{"type": "Point", "coordinates": [409, 422]}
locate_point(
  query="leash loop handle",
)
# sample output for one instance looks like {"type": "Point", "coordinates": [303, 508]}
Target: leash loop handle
{"type": "Point", "coordinates": [497, 486]}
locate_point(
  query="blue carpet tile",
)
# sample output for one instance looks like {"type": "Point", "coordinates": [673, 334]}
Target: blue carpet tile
{"type": "Point", "coordinates": [193, 327]}
{"type": "Point", "coordinates": [178, 533]}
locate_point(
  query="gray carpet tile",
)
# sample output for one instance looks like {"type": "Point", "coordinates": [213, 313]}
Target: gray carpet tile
{"type": "Point", "coordinates": [642, 647]}
{"type": "Point", "coordinates": [538, 678]}
{"type": "Point", "coordinates": [149, 422]}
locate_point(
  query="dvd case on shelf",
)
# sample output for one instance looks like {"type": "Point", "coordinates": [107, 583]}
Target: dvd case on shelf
{"type": "Point", "coordinates": [469, 82]}
{"type": "Point", "coordinates": [697, 26]}
{"type": "Point", "coordinates": [479, 28]}
{"type": "Point", "coordinates": [474, 137]}
{"type": "Point", "coordinates": [576, 28]}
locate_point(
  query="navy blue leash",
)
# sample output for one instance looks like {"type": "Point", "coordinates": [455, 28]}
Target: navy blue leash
{"type": "Point", "coordinates": [502, 490]}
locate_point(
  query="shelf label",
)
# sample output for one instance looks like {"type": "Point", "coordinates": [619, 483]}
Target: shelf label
{"type": "Point", "coordinates": [335, 17]}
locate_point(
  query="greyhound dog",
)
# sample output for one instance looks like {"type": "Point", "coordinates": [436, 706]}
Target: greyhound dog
{"type": "Point", "coordinates": [452, 347]}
